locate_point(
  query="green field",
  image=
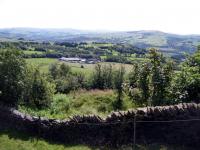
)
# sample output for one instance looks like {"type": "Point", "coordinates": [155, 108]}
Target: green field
{"type": "Point", "coordinates": [32, 52]}
{"type": "Point", "coordinates": [44, 63]}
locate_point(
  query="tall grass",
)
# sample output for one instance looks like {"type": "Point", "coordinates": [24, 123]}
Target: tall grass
{"type": "Point", "coordinates": [99, 102]}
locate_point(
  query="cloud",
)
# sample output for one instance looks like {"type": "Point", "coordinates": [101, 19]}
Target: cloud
{"type": "Point", "coordinates": [177, 16]}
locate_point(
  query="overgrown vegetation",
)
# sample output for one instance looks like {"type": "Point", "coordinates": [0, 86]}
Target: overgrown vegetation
{"type": "Point", "coordinates": [21, 84]}
{"type": "Point", "coordinates": [153, 82]}
{"type": "Point", "coordinates": [59, 90]}
{"type": "Point", "coordinates": [98, 102]}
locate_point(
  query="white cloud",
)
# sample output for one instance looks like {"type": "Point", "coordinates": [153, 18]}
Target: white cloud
{"type": "Point", "coordinates": [177, 16]}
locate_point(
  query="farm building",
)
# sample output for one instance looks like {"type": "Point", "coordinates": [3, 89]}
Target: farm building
{"type": "Point", "coordinates": [79, 60]}
{"type": "Point", "coordinates": [73, 59]}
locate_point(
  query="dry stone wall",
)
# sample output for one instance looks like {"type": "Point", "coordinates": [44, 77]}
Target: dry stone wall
{"type": "Point", "coordinates": [178, 124]}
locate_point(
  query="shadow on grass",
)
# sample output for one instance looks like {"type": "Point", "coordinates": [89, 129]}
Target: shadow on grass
{"type": "Point", "coordinates": [16, 135]}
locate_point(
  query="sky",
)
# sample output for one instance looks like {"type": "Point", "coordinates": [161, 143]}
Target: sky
{"type": "Point", "coordinates": [173, 16]}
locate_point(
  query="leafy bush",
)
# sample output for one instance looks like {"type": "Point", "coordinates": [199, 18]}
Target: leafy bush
{"type": "Point", "coordinates": [12, 74]}
{"type": "Point", "coordinates": [38, 90]}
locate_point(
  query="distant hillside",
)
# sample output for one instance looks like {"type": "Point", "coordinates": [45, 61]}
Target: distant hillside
{"type": "Point", "coordinates": [167, 43]}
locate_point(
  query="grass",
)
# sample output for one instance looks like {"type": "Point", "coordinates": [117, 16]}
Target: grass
{"type": "Point", "coordinates": [32, 52]}
{"type": "Point", "coordinates": [81, 102]}
{"type": "Point", "coordinates": [44, 63]}
{"type": "Point", "coordinates": [85, 102]}
{"type": "Point", "coordinates": [14, 140]}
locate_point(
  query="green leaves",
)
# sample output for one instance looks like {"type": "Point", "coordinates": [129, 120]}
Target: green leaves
{"type": "Point", "coordinates": [12, 74]}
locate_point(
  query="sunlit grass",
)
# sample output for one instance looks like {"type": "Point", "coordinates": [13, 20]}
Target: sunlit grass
{"type": "Point", "coordinates": [82, 102]}
{"type": "Point", "coordinates": [32, 52]}
{"type": "Point", "coordinates": [87, 69]}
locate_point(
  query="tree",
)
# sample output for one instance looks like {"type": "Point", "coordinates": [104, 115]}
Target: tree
{"type": "Point", "coordinates": [102, 77]}
{"type": "Point", "coordinates": [12, 74]}
{"type": "Point", "coordinates": [118, 82]}
{"type": "Point", "coordinates": [133, 76]}
{"type": "Point", "coordinates": [42, 91]}
{"type": "Point", "coordinates": [107, 76]}
{"type": "Point", "coordinates": [187, 83]}
{"type": "Point", "coordinates": [144, 82]}
{"type": "Point", "coordinates": [133, 87]}
{"type": "Point", "coordinates": [38, 91]}
{"type": "Point", "coordinates": [54, 70]}
{"type": "Point", "coordinates": [161, 74]}
{"type": "Point", "coordinates": [64, 70]}
{"type": "Point", "coordinates": [97, 79]}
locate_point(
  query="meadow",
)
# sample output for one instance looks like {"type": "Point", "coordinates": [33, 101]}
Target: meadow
{"type": "Point", "coordinates": [32, 52]}
{"type": "Point", "coordinates": [87, 69]}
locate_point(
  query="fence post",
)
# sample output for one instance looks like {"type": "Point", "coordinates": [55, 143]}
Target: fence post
{"type": "Point", "coordinates": [134, 136]}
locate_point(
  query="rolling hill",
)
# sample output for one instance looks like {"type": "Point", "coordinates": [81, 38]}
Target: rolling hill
{"type": "Point", "coordinates": [167, 43]}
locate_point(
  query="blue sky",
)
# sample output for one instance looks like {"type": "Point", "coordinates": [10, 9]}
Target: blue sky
{"type": "Point", "coordinates": [174, 16]}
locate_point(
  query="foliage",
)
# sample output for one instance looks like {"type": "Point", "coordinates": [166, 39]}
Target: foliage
{"type": "Point", "coordinates": [99, 102]}
{"type": "Point", "coordinates": [65, 80]}
{"type": "Point", "coordinates": [149, 83]}
{"type": "Point", "coordinates": [83, 50]}
{"type": "Point", "coordinates": [161, 75]}
{"type": "Point", "coordinates": [118, 83]}
{"type": "Point", "coordinates": [144, 83]}
{"type": "Point", "coordinates": [102, 77]}
{"type": "Point", "coordinates": [119, 59]}
{"type": "Point", "coordinates": [42, 90]}
{"type": "Point", "coordinates": [38, 91]}
{"type": "Point", "coordinates": [12, 73]}
{"type": "Point", "coordinates": [187, 82]}
{"type": "Point", "coordinates": [134, 75]}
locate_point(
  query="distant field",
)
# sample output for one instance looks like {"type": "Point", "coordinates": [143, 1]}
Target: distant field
{"type": "Point", "coordinates": [44, 63]}
{"type": "Point", "coordinates": [32, 52]}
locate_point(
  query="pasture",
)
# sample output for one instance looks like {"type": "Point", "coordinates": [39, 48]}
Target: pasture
{"type": "Point", "coordinates": [32, 52]}
{"type": "Point", "coordinates": [87, 69]}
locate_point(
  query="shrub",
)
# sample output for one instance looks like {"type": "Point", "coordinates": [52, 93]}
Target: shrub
{"type": "Point", "coordinates": [12, 74]}
{"type": "Point", "coordinates": [38, 91]}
